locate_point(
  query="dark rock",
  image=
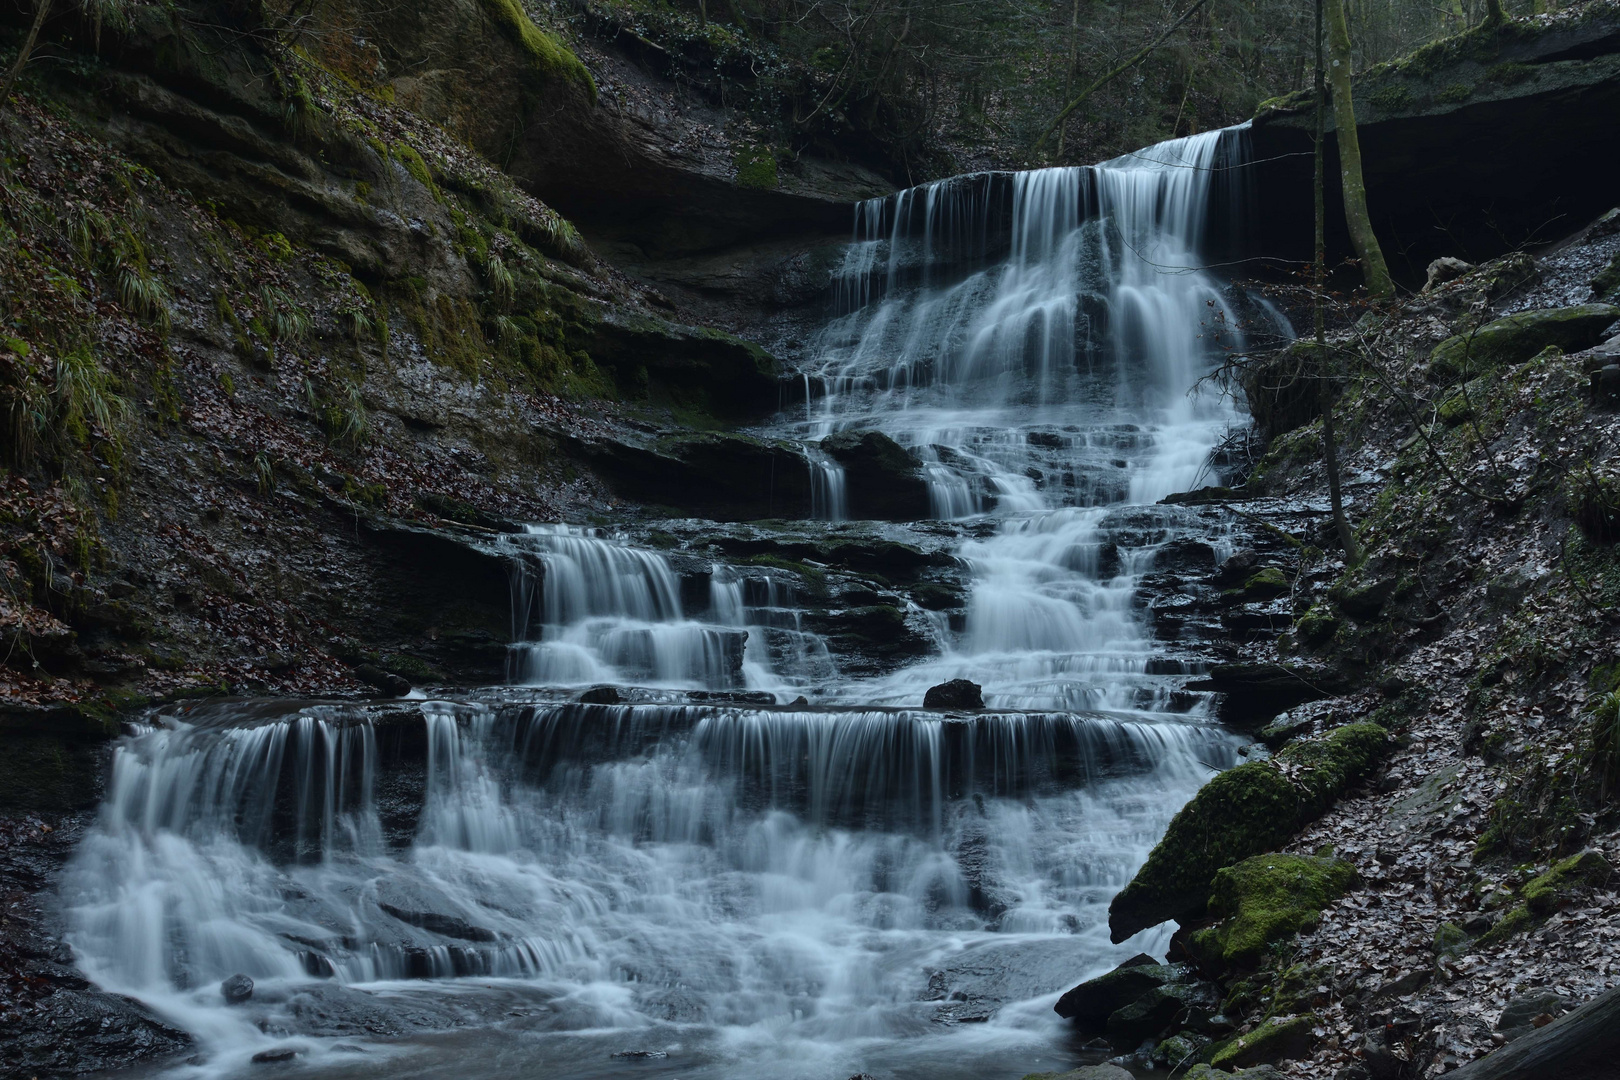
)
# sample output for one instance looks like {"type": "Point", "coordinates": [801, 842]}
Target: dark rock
{"type": "Point", "coordinates": [1517, 338]}
{"type": "Point", "coordinates": [1445, 269]}
{"type": "Point", "coordinates": [1254, 693]}
{"type": "Point", "coordinates": [1148, 1016]}
{"type": "Point", "coordinates": [385, 681]}
{"type": "Point", "coordinates": [883, 479]}
{"type": "Point", "coordinates": [956, 694]}
{"type": "Point", "coordinates": [236, 989]}
{"type": "Point", "coordinates": [1236, 569]}
{"type": "Point", "coordinates": [601, 695]}
{"type": "Point", "coordinates": [1522, 1009]}
{"type": "Point", "coordinates": [1283, 1039]}
{"type": "Point", "coordinates": [276, 1056]}
{"type": "Point", "coordinates": [436, 923]}
{"type": "Point", "coordinates": [720, 475]}
{"type": "Point", "coordinates": [732, 697]}
{"type": "Point", "coordinates": [1091, 1003]}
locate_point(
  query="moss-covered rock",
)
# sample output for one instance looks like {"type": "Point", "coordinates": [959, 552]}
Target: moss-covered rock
{"type": "Point", "coordinates": [1316, 625]}
{"type": "Point", "coordinates": [551, 56]}
{"type": "Point", "coordinates": [1264, 584]}
{"type": "Point", "coordinates": [1551, 890]}
{"type": "Point", "coordinates": [1517, 338]}
{"type": "Point", "coordinates": [1282, 1039]}
{"type": "Point", "coordinates": [1147, 1016]}
{"type": "Point", "coordinates": [1242, 812]}
{"type": "Point", "coordinates": [1606, 286]}
{"type": "Point", "coordinates": [1450, 940]}
{"type": "Point", "coordinates": [1265, 899]}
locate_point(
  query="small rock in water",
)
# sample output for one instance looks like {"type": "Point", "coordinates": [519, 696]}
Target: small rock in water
{"type": "Point", "coordinates": [280, 1053]}
{"type": "Point", "coordinates": [956, 694]}
{"type": "Point", "coordinates": [799, 702]}
{"type": "Point", "coordinates": [644, 1055]}
{"type": "Point", "coordinates": [601, 695]}
{"type": "Point", "coordinates": [237, 989]}
{"type": "Point", "coordinates": [1444, 270]}
{"type": "Point", "coordinates": [384, 682]}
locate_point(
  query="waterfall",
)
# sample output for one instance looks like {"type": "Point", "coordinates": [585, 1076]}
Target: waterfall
{"type": "Point", "coordinates": [705, 875]}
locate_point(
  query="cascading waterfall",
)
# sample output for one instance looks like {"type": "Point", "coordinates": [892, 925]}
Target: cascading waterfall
{"type": "Point", "coordinates": [517, 880]}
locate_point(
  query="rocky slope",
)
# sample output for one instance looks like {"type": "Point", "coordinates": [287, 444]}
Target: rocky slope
{"type": "Point", "coordinates": [1425, 871]}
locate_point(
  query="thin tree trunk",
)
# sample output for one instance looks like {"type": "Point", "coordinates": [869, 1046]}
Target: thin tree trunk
{"type": "Point", "coordinates": [41, 9]}
{"type": "Point", "coordinates": [1373, 267]}
{"type": "Point", "coordinates": [1068, 75]}
{"type": "Point", "coordinates": [1324, 371]}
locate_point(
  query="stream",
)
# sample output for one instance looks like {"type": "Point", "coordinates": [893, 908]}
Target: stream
{"type": "Point", "coordinates": [758, 862]}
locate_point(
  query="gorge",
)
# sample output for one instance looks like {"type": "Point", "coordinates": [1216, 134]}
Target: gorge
{"type": "Point", "coordinates": [798, 622]}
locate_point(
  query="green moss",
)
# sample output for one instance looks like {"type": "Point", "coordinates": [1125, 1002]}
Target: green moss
{"type": "Point", "coordinates": [1316, 625]}
{"type": "Point", "coordinates": [1450, 940]}
{"type": "Point", "coordinates": [1278, 1040]}
{"type": "Point", "coordinates": [1391, 98]}
{"type": "Point", "coordinates": [1516, 920]}
{"type": "Point", "coordinates": [1548, 892]}
{"type": "Point", "coordinates": [1455, 94]}
{"type": "Point", "coordinates": [756, 167]}
{"type": "Point", "coordinates": [406, 155]}
{"type": "Point", "coordinates": [1518, 338]}
{"type": "Point", "coordinates": [1265, 583]}
{"type": "Point", "coordinates": [551, 56]}
{"type": "Point", "coordinates": [1263, 900]}
{"type": "Point", "coordinates": [1510, 74]}
{"type": "Point", "coordinates": [1242, 812]}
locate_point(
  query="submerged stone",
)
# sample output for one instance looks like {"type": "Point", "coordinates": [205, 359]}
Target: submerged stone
{"type": "Point", "coordinates": [236, 989]}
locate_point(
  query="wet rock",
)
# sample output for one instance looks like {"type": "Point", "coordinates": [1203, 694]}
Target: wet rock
{"type": "Point", "coordinates": [956, 694]}
{"type": "Point", "coordinates": [883, 479]}
{"type": "Point", "coordinates": [386, 682]}
{"type": "Point", "coordinates": [1245, 811]}
{"type": "Point", "coordinates": [1148, 1016]}
{"type": "Point", "coordinates": [1517, 338]}
{"type": "Point", "coordinates": [1091, 1003]}
{"type": "Point", "coordinates": [436, 923]}
{"type": "Point", "coordinates": [732, 697]}
{"type": "Point", "coordinates": [276, 1056]}
{"type": "Point", "coordinates": [1254, 693]}
{"type": "Point", "coordinates": [1236, 569]}
{"type": "Point", "coordinates": [601, 695]}
{"type": "Point", "coordinates": [236, 989]}
{"type": "Point", "coordinates": [1087, 1072]}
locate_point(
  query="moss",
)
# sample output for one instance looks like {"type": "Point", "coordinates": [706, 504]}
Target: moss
{"type": "Point", "coordinates": [1316, 625]}
{"type": "Point", "coordinates": [756, 167]}
{"type": "Point", "coordinates": [1265, 584]}
{"type": "Point", "coordinates": [1606, 286]}
{"type": "Point", "coordinates": [1242, 812]}
{"type": "Point", "coordinates": [1548, 892]}
{"type": "Point", "coordinates": [1278, 1040]}
{"type": "Point", "coordinates": [1516, 920]}
{"type": "Point", "coordinates": [1263, 900]}
{"type": "Point", "coordinates": [1391, 98]}
{"type": "Point", "coordinates": [1455, 94]}
{"type": "Point", "coordinates": [551, 56]}
{"type": "Point", "coordinates": [1510, 74]}
{"type": "Point", "coordinates": [1450, 940]}
{"type": "Point", "coordinates": [1518, 338]}
{"type": "Point", "coordinates": [407, 156]}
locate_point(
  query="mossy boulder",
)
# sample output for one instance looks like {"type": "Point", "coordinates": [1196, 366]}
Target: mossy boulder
{"type": "Point", "coordinates": [1266, 899]}
{"type": "Point", "coordinates": [1283, 390]}
{"type": "Point", "coordinates": [1517, 338]}
{"type": "Point", "coordinates": [1148, 1016]}
{"type": "Point", "coordinates": [1242, 812]}
{"type": "Point", "coordinates": [1281, 1039]}
{"type": "Point", "coordinates": [1551, 890]}
{"type": "Point", "coordinates": [1450, 940]}
{"type": "Point", "coordinates": [1265, 584]}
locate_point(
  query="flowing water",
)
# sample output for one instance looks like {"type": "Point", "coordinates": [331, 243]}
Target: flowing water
{"type": "Point", "coordinates": [705, 881]}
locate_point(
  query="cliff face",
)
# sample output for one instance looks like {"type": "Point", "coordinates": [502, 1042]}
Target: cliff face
{"type": "Point", "coordinates": [1471, 146]}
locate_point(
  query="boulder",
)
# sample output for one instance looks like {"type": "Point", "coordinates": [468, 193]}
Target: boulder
{"type": "Point", "coordinates": [719, 475]}
{"type": "Point", "coordinates": [1263, 900]}
{"type": "Point", "coordinates": [1091, 1003]}
{"type": "Point", "coordinates": [236, 989]}
{"type": "Point", "coordinates": [882, 478]}
{"type": "Point", "coordinates": [956, 694]}
{"type": "Point", "coordinates": [1148, 1016]}
{"type": "Point", "coordinates": [1088, 1072]}
{"type": "Point", "coordinates": [600, 695]}
{"type": "Point", "coordinates": [1278, 1039]}
{"type": "Point", "coordinates": [1552, 890]}
{"type": "Point", "coordinates": [1242, 812]}
{"type": "Point", "coordinates": [1254, 693]}
{"type": "Point", "coordinates": [1517, 338]}
{"type": "Point", "coordinates": [1606, 285]}
{"type": "Point", "coordinates": [1445, 269]}
{"type": "Point", "coordinates": [1522, 1010]}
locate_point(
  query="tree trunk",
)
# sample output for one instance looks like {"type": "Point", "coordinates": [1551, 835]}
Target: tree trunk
{"type": "Point", "coordinates": [1325, 373]}
{"type": "Point", "coordinates": [41, 9]}
{"type": "Point", "coordinates": [1583, 1043]}
{"type": "Point", "coordinates": [1373, 268]}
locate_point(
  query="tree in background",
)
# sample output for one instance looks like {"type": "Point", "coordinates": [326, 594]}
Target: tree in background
{"type": "Point", "coordinates": [1373, 268]}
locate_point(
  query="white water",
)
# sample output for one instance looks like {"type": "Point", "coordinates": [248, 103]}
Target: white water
{"type": "Point", "coordinates": [801, 892]}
